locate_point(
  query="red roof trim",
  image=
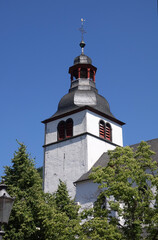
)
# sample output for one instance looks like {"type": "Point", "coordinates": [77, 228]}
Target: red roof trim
{"type": "Point", "coordinates": [82, 65]}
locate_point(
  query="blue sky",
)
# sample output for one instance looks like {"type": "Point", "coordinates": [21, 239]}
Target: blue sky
{"type": "Point", "coordinates": [39, 40]}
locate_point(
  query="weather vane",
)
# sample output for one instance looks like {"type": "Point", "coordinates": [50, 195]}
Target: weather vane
{"type": "Point", "coordinates": [81, 29]}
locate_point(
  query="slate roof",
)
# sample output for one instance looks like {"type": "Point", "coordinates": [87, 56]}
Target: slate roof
{"type": "Point", "coordinates": [104, 159]}
{"type": "Point", "coordinates": [82, 59]}
{"type": "Point", "coordinates": [78, 98]}
{"type": "Point", "coordinates": [83, 93]}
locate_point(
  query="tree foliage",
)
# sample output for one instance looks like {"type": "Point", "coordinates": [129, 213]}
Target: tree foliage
{"type": "Point", "coordinates": [56, 224]}
{"type": "Point", "coordinates": [36, 215]}
{"type": "Point", "coordinates": [25, 184]}
{"type": "Point", "coordinates": [125, 209]}
{"type": "Point", "coordinates": [66, 222]}
{"type": "Point", "coordinates": [40, 171]}
{"type": "Point", "coordinates": [64, 203]}
{"type": "Point", "coordinates": [130, 184]}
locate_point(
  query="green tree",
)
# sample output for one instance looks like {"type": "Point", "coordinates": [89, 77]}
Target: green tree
{"type": "Point", "coordinates": [64, 203]}
{"type": "Point", "coordinates": [25, 184]}
{"type": "Point", "coordinates": [40, 171]}
{"type": "Point", "coordinates": [61, 220]}
{"type": "Point", "coordinates": [98, 228]}
{"type": "Point", "coordinates": [96, 224]}
{"type": "Point", "coordinates": [36, 215]}
{"type": "Point", "coordinates": [130, 184]}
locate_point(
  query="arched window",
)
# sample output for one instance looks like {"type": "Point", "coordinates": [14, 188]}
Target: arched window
{"type": "Point", "coordinates": [102, 129]}
{"type": "Point", "coordinates": [69, 128]}
{"type": "Point", "coordinates": [108, 134]}
{"type": "Point", "coordinates": [61, 130]}
{"type": "Point", "coordinates": [65, 129]}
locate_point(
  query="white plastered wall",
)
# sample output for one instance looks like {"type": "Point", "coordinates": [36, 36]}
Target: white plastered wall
{"type": "Point", "coordinates": [67, 161]}
{"type": "Point", "coordinates": [79, 122]}
{"type": "Point", "coordinates": [95, 148]}
{"type": "Point", "coordinates": [86, 194]}
{"type": "Point", "coordinates": [84, 121]}
{"type": "Point", "coordinates": [93, 127]}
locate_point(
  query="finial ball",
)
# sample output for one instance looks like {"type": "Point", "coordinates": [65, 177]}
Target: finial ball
{"type": "Point", "coordinates": [82, 44]}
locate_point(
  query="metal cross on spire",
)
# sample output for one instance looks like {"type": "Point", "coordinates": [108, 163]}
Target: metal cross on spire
{"type": "Point", "coordinates": [81, 29]}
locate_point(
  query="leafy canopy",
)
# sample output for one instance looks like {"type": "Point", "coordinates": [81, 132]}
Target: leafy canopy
{"type": "Point", "coordinates": [36, 215]}
{"type": "Point", "coordinates": [129, 184]}
{"type": "Point", "coordinates": [125, 209]}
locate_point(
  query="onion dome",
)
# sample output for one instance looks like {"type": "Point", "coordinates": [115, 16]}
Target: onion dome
{"type": "Point", "coordinates": [81, 98]}
{"type": "Point", "coordinates": [83, 93]}
{"type": "Point", "coordinates": [82, 59]}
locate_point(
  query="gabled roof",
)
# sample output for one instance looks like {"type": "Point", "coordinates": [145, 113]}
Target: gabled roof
{"type": "Point", "coordinates": [104, 159]}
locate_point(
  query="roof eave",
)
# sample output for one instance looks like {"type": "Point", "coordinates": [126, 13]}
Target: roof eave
{"type": "Point", "coordinates": [81, 109]}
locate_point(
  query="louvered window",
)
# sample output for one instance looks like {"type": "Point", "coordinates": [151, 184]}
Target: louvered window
{"type": "Point", "coordinates": [61, 130]}
{"type": "Point", "coordinates": [102, 129]}
{"type": "Point", "coordinates": [69, 128]}
{"type": "Point", "coordinates": [108, 132]}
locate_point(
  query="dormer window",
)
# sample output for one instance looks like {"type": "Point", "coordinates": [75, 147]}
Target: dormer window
{"type": "Point", "coordinates": [65, 129]}
{"type": "Point", "coordinates": [108, 133]}
{"type": "Point", "coordinates": [102, 129]}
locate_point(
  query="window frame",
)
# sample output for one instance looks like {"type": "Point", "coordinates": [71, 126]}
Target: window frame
{"type": "Point", "coordinates": [65, 129]}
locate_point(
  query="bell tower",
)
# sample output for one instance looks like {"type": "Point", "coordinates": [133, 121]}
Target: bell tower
{"type": "Point", "coordinates": [81, 130]}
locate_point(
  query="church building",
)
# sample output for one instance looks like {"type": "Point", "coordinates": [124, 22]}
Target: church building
{"type": "Point", "coordinates": [81, 131]}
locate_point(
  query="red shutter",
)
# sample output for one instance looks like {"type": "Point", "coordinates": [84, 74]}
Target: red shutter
{"type": "Point", "coordinates": [61, 130]}
{"type": "Point", "coordinates": [102, 129]}
{"type": "Point", "coordinates": [69, 128]}
{"type": "Point", "coordinates": [108, 132]}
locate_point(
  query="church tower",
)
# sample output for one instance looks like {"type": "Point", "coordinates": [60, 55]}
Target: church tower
{"type": "Point", "coordinates": [81, 130]}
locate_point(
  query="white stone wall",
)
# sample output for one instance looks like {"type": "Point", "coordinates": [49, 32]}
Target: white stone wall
{"type": "Point", "coordinates": [86, 194]}
{"type": "Point", "coordinates": [96, 148]}
{"type": "Point", "coordinates": [84, 121]}
{"type": "Point", "coordinates": [67, 161]}
{"type": "Point", "coordinates": [79, 122]}
{"type": "Point", "coordinates": [93, 127]}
